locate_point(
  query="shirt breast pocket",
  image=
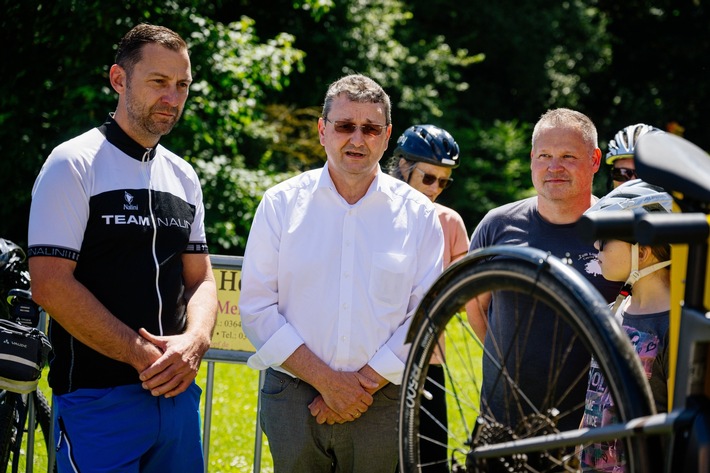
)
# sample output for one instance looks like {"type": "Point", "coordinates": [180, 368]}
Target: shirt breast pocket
{"type": "Point", "coordinates": [389, 279]}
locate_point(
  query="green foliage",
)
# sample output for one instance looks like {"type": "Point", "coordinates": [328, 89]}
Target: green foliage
{"type": "Point", "coordinates": [50, 100]}
{"type": "Point", "coordinates": [422, 73]}
{"type": "Point", "coordinates": [294, 143]}
{"type": "Point", "coordinates": [225, 115]}
{"type": "Point", "coordinates": [231, 195]}
{"type": "Point", "coordinates": [485, 71]}
{"type": "Point", "coordinates": [317, 8]}
{"type": "Point", "coordinates": [537, 53]}
{"type": "Point", "coordinates": [658, 72]}
{"type": "Point", "coordinates": [495, 171]}
{"type": "Point", "coordinates": [231, 77]}
{"type": "Point", "coordinates": [416, 66]}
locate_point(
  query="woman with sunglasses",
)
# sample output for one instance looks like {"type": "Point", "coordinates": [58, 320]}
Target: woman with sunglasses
{"type": "Point", "coordinates": [424, 158]}
{"type": "Point", "coordinates": [621, 152]}
{"type": "Point", "coordinates": [642, 308]}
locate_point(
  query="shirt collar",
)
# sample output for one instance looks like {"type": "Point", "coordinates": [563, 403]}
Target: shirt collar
{"type": "Point", "coordinates": [117, 137]}
{"type": "Point", "coordinates": [379, 184]}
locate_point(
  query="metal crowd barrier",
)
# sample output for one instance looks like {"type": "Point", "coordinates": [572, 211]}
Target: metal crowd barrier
{"type": "Point", "coordinates": [211, 357]}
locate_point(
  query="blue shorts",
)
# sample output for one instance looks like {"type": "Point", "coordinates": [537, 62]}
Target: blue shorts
{"type": "Point", "coordinates": [125, 429]}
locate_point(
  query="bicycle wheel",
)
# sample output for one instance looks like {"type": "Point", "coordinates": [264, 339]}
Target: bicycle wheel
{"type": "Point", "coordinates": [43, 416]}
{"type": "Point", "coordinates": [8, 431]}
{"type": "Point", "coordinates": [530, 377]}
{"type": "Point", "coordinates": [14, 424]}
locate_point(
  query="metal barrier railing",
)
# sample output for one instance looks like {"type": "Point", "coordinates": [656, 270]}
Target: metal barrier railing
{"type": "Point", "coordinates": [211, 357]}
{"type": "Point", "coordinates": [229, 343]}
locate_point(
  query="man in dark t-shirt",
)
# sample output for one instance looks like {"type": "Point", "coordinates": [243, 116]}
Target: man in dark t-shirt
{"type": "Point", "coordinates": [564, 159]}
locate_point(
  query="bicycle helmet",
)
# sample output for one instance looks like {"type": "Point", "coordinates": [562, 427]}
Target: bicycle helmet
{"type": "Point", "coordinates": [624, 142]}
{"type": "Point", "coordinates": [428, 144]}
{"type": "Point", "coordinates": [13, 272]}
{"type": "Point", "coordinates": [635, 196]}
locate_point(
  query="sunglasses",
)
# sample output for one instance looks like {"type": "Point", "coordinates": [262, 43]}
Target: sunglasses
{"type": "Point", "coordinates": [348, 128]}
{"type": "Point", "coordinates": [602, 243]}
{"type": "Point", "coordinates": [623, 174]}
{"type": "Point", "coordinates": [429, 179]}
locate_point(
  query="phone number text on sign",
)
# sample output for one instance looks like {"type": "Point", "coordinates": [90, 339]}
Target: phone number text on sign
{"type": "Point", "coordinates": [228, 333]}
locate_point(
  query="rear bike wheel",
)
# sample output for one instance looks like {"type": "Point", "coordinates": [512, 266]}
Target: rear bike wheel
{"type": "Point", "coordinates": [8, 426]}
{"type": "Point", "coordinates": [14, 431]}
{"type": "Point", "coordinates": [504, 390]}
{"type": "Point", "coordinates": [43, 416]}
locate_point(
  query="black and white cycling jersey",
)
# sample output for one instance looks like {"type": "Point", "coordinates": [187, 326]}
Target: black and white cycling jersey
{"type": "Point", "coordinates": [126, 215]}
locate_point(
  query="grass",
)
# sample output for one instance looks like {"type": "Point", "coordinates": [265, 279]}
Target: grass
{"type": "Point", "coordinates": [234, 420]}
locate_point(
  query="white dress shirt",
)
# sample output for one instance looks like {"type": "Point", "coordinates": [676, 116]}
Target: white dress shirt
{"type": "Point", "coordinates": [343, 279]}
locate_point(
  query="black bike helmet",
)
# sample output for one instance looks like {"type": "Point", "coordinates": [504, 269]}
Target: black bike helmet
{"type": "Point", "coordinates": [624, 142]}
{"type": "Point", "coordinates": [428, 144]}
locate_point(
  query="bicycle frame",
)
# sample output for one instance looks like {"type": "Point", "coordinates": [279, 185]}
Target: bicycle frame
{"type": "Point", "coordinates": [686, 177]}
{"type": "Point", "coordinates": [24, 311]}
{"type": "Point", "coordinates": [693, 329]}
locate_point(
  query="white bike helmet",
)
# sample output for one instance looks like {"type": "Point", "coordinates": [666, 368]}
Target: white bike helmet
{"type": "Point", "coordinates": [636, 196]}
{"type": "Point", "coordinates": [624, 142]}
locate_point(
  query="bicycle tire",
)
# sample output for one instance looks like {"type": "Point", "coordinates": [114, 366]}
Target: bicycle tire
{"type": "Point", "coordinates": [13, 410]}
{"type": "Point", "coordinates": [542, 279]}
{"type": "Point", "coordinates": [43, 416]}
{"type": "Point", "coordinates": [8, 402]}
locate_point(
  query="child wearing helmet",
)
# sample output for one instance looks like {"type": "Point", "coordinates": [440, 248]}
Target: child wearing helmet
{"type": "Point", "coordinates": [424, 158]}
{"type": "Point", "coordinates": [620, 154]}
{"type": "Point", "coordinates": [642, 308]}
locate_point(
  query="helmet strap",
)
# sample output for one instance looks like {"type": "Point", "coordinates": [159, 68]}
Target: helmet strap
{"type": "Point", "coordinates": [635, 275]}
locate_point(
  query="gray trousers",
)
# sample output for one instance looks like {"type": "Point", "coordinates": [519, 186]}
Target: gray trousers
{"type": "Point", "coordinates": [300, 445]}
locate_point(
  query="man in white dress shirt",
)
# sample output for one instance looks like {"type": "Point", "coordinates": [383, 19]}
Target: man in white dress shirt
{"type": "Point", "coordinates": [336, 263]}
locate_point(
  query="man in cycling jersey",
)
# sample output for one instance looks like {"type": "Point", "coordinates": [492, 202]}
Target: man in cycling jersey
{"type": "Point", "coordinates": [118, 258]}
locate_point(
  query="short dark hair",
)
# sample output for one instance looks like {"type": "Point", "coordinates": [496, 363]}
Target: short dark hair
{"type": "Point", "coordinates": [130, 47]}
{"type": "Point", "coordinates": [358, 88]}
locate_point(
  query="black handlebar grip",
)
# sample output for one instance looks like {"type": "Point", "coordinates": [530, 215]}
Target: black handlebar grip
{"type": "Point", "coordinates": [612, 225]}
{"type": "Point", "coordinates": [659, 228]}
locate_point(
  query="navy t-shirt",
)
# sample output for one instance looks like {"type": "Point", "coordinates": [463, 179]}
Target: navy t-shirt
{"type": "Point", "coordinates": [547, 360]}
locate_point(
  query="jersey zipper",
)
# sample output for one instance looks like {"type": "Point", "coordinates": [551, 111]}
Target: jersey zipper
{"type": "Point", "coordinates": [146, 168]}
